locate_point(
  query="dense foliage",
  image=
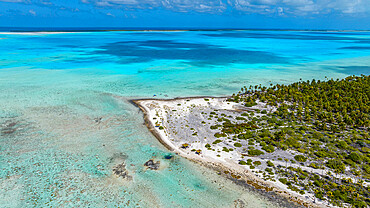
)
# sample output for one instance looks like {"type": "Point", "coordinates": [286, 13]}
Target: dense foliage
{"type": "Point", "coordinates": [326, 122]}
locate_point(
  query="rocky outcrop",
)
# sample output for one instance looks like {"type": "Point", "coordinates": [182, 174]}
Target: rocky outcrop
{"type": "Point", "coordinates": [152, 165]}
{"type": "Point", "coordinates": [120, 170]}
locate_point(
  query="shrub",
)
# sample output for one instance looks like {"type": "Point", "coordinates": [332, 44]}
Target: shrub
{"type": "Point", "coordinates": [255, 152]}
{"type": "Point", "coordinates": [218, 135]}
{"type": "Point", "coordinates": [216, 141]}
{"type": "Point", "coordinates": [242, 162]}
{"type": "Point", "coordinates": [246, 135]}
{"type": "Point", "coordinates": [225, 149]}
{"type": "Point", "coordinates": [336, 165]}
{"type": "Point", "coordinates": [318, 183]}
{"type": "Point", "coordinates": [300, 158]}
{"type": "Point", "coordinates": [269, 170]}
{"type": "Point", "coordinates": [321, 154]}
{"type": "Point", "coordinates": [355, 157]}
{"type": "Point", "coordinates": [283, 180]}
{"type": "Point", "coordinates": [161, 128]}
{"type": "Point", "coordinates": [214, 127]}
{"type": "Point", "coordinates": [269, 148]}
{"type": "Point", "coordinates": [257, 163]}
{"type": "Point", "coordinates": [270, 164]}
{"type": "Point", "coordinates": [314, 165]}
{"type": "Point", "coordinates": [250, 104]}
{"type": "Point", "coordinates": [342, 144]}
{"type": "Point", "coordinates": [366, 168]}
{"type": "Point", "coordinates": [236, 144]}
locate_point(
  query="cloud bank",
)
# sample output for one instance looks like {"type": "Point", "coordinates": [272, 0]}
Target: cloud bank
{"type": "Point", "coordinates": [279, 7]}
{"type": "Point", "coordinates": [293, 7]}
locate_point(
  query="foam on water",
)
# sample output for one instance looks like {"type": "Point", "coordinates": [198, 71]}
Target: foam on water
{"type": "Point", "coordinates": [65, 119]}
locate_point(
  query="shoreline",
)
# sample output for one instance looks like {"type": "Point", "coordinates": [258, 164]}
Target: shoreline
{"type": "Point", "coordinates": [237, 174]}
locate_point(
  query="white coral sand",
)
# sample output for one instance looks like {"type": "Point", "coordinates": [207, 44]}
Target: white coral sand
{"type": "Point", "coordinates": [171, 121]}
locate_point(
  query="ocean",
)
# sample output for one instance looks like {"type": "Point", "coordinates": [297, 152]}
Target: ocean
{"type": "Point", "coordinates": [66, 118]}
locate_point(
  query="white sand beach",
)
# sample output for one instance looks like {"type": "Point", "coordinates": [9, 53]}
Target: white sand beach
{"type": "Point", "coordinates": [157, 114]}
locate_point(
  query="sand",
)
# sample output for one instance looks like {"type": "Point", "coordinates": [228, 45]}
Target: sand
{"type": "Point", "coordinates": [156, 113]}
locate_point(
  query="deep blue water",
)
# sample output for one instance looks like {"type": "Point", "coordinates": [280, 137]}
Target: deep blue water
{"type": "Point", "coordinates": [54, 86]}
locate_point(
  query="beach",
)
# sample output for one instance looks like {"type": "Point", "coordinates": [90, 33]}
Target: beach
{"type": "Point", "coordinates": [155, 109]}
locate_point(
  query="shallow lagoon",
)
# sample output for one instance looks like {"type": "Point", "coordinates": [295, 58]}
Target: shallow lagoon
{"type": "Point", "coordinates": [53, 87]}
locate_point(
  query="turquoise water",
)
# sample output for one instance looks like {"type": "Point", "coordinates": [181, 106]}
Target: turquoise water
{"type": "Point", "coordinates": [54, 86]}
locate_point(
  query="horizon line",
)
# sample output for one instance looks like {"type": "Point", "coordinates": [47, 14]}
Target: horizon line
{"type": "Point", "coordinates": [107, 29]}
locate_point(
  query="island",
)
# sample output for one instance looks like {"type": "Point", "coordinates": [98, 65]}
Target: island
{"type": "Point", "coordinates": [307, 141]}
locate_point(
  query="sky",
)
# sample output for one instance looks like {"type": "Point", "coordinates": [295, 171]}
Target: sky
{"type": "Point", "coordinates": [248, 14]}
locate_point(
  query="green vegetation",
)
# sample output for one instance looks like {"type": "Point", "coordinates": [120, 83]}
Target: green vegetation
{"type": "Point", "coordinates": [254, 152]}
{"type": "Point", "coordinates": [316, 134]}
{"type": "Point", "coordinates": [216, 141]}
{"type": "Point", "coordinates": [300, 158]}
{"type": "Point", "coordinates": [326, 125]}
{"type": "Point", "coordinates": [268, 148]}
{"type": "Point", "coordinates": [270, 164]}
{"type": "Point", "coordinates": [237, 144]}
{"type": "Point", "coordinates": [241, 162]}
{"type": "Point", "coordinates": [336, 191]}
{"type": "Point", "coordinates": [218, 135]}
{"type": "Point", "coordinates": [257, 163]}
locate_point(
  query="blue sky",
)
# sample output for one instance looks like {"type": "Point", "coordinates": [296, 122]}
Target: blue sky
{"type": "Point", "coordinates": [276, 14]}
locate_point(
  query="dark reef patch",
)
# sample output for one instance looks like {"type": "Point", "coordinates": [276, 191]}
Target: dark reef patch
{"type": "Point", "coordinates": [152, 165]}
{"type": "Point", "coordinates": [356, 70]}
{"type": "Point", "coordinates": [168, 156]}
{"type": "Point", "coordinates": [9, 127]}
{"type": "Point", "coordinates": [191, 53]}
{"type": "Point", "coordinates": [356, 48]}
{"type": "Point", "coordinates": [300, 36]}
{"type": "Point", "coordinates": [120, 171]}
{"type": "Point", "coordinates": [362, 41]}
{"type": "Point", "coordinates": [338, 33]}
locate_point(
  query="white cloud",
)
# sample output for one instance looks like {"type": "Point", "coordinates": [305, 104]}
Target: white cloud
{"type": "Point", "coordinates": [31, 11]}
{"type": "Point", "coordinates": [13, 1]}
{"type": "Point", "coordinates": [176, 5]}
{"type": "Point", "coordinates": [297, 2]}
{"type": "Point", "coordinates": [46, 2]}
{"type": "Point", "coordinates": [348, 6]}
{"type": "Point", "coordinates": [270, 7]}
{"type": "Point", "coordinates": [302, 7]}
